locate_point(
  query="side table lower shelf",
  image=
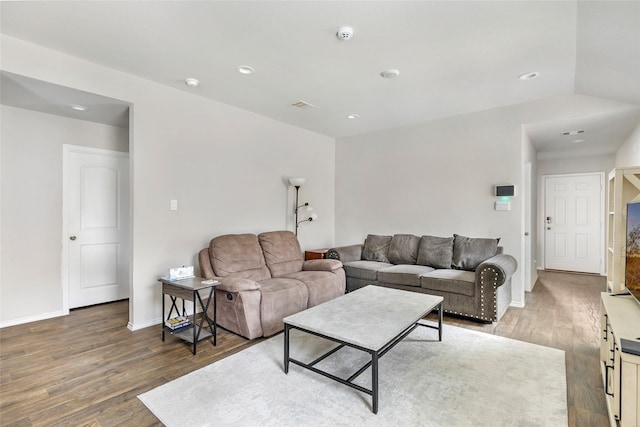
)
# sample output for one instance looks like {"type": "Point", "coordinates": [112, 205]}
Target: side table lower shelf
{"type": "Point", "coordinates": [186, 333]}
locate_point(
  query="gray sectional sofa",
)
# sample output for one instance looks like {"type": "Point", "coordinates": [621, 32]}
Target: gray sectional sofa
{"type": "Point", "coordinates": [472, 274]}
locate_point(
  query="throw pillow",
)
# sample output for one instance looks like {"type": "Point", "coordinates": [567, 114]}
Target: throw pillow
{"type": "Point", "coordinates": [376, 248]}
{"type": "Point", "coordinates": [469, 252]}
{"type": "Point", "coordinates": [436, 252]}
{"type": "Point", "coordinates": [403, 249]}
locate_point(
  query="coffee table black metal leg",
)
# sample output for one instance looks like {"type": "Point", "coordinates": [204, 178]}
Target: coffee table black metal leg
{"type": "Point", "coordinates": [374, 381]}
{"type": "Point", "coordinates": [440, 310]}
{"type": "Point", "coordinates": [286, 348]}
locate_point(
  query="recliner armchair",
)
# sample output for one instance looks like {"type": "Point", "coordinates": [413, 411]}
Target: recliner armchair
{"type": "Point", "coordinates": [264, 279]}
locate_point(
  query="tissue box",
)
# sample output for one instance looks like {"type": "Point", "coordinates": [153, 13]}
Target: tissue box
{"type": "Point", "coordinates": [181, 273]}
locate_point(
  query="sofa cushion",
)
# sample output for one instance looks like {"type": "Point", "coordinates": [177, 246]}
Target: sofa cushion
{"type": "Point", "coordinates": [238, 255]}
{"type": "Point", "coordinates": [469, 252]}
{"type": "Point", "coordinates": [321, 286]}
{"type": "Point", "coordinates": [436, 252]}
{"type": "Point", "coordinates": [403, 274]}
{"type": "Point", "coordinates": [280, 297]}
{"type": "Point", "coordinates": [453, 281]}
{"type": "Point", "coordinates": [403, 249]}
{"type": "Point", "coordinates": [367, 270]}
{"type": "Point", "coordinates": [282, 252]}
{"type": "Point", "coordinates": [376, 248]}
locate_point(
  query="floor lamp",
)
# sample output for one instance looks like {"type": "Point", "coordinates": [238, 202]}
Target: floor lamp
{"type": "Point", "coordinates": [304, 209]}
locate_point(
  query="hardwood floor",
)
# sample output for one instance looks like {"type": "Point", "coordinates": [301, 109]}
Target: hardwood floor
{"type": "Point", "coordinates": [86, 369]}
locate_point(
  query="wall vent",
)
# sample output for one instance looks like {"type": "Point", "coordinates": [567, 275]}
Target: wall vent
{"type": "Point", "coordinates": [302, 105]}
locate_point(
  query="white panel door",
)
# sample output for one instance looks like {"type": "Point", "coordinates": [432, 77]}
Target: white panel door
{"type": "Point", "coordinates": [97, 226]}
{"type": "Point", "coordinates": [573, 223]}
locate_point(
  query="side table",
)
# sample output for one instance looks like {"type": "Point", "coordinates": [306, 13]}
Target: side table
{"type": "Point", "coordinates": [315, 254]}
{"type": "Point", "coordinates": [189, 290]}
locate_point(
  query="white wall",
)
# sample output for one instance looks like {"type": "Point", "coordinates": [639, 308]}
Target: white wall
{"type": "Point", "coordinates": [600, 163]}
{"type": "Point", "coordinates": [629, 153]}
{"type": "Point", "coordinates": [435, 178]}
{"type": "Point", "coordinates": [31, 204]}
{"type": "Point", "coordinates": [226, 167]}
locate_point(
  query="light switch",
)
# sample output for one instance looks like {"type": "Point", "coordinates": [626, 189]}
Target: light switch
{"type": "Point", "coordinates": [503, 206]}
{"type": "Point", "coordinates": [174, 205]}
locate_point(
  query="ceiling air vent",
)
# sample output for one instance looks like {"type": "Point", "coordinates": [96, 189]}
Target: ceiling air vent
{"type": "Point", "coordinates": [302, 105]}
{"type": "Point", "coordinates": [573, 132]}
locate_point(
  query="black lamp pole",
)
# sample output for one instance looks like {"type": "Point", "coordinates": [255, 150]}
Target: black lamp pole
{"type": "Point", "coordinates": [298, 207]}
{"type": "Point", "coordinates": [296, 211]}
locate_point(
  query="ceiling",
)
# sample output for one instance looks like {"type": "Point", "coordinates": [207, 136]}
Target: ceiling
{"type": "Point", "coordinates": [24, 92]}
{"type": "Point", "coordinates": [454, 57]}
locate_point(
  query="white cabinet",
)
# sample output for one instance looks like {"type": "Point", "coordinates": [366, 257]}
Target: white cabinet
{"type": "Point", "coordinates": [623, 187]}
{"type": "Point", "coordinates": [620, 358]}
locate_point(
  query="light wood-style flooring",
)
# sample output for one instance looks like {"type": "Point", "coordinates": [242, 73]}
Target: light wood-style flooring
{"type": "Point", "coordinates": [86, 369]}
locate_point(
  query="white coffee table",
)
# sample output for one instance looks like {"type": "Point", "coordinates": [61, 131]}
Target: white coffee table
{"type": "Point", "coordinates": [372, 319]}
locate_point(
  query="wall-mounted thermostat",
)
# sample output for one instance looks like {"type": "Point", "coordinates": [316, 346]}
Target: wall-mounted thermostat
{"type": "Point", "coordinates": [505, 190]}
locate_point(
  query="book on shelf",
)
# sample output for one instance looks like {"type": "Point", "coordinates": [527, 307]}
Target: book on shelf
{"type": "Point", "coordinates": [177, 322]}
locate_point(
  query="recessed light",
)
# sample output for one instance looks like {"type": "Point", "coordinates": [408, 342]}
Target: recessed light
{"type": "Point", "coordinates": [245, 69]}
{"type": "Point", "coordinates": [529, 76]}
{"type": "Point", "coordinates": [353, 116]}
{"type": "Point", "coordinates": [390, 74]}
{"type": "Point", "coordinates": [191, 82]}
{"type": "Point", "coordinates": [578, 140]}
{"type": "Point", "coordinates": [78, 107]}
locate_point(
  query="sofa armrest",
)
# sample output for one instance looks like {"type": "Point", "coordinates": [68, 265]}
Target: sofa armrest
{"type": "Point", "coordinates": [490, 275]}
{"type": "Point", "coordinates": [205, 265]}
{"type": "Point", "coordinates": [346, 253]}
{"type": "Point", "coordinates": [237, 284]}
{"type": "Point", "coordinates": [321, 265]}
{"type": "Point", "coordinates": [497, 269]}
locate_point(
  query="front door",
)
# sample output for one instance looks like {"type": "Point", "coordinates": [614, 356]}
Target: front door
{"type": "Point", "coordinates": [573, 222]}
{"type": "Point", "coordinates": [97, 225]}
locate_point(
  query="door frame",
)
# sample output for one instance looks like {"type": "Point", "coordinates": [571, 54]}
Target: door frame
{"type": "Point", "coordinates": [67, 149]}
{"type": "Point", "coordinates": [543, 195]}
{"type": "Point", "coordinates": [528, 232]}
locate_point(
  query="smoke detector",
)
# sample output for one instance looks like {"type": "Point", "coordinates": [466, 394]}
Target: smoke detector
{"type": "Point", "coordinates": [344, 33]}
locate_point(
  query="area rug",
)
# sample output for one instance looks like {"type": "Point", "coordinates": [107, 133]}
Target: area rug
{"type": "Point", "coordinates": [468, 379]}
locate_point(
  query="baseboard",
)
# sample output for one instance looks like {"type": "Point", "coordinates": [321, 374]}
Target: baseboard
{"type": "Point", "coordinates": [516, 304]}
{"type": "Point", "coordinates": [138, 326]}
{"type": "Point", "coordinates": [35, 318]}
{"type": "Point", "coordinates": [157, 321]}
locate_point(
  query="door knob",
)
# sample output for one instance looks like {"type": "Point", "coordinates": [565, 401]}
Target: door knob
{"type": "Point", "coordinates": [526, 233]}
{"type": "Point", "coordinates": [72, 238]}
{"type": "Point", "coordinates": [548, 228]}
